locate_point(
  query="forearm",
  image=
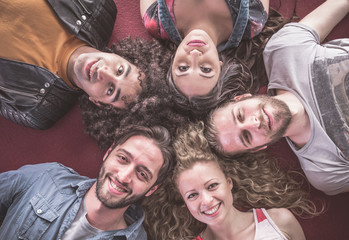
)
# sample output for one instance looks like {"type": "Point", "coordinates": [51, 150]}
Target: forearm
{"type": "Point", "coordinates": [325, 17]}
{"type": "Point", "coordinates": [265, 5]}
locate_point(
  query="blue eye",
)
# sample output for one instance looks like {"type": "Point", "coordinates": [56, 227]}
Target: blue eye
{"type": "Point", "coordinates": [212, 185]}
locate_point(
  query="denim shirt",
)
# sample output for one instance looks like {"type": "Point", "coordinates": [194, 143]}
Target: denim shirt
{"type": "Point", "coordinates": [41, 201]}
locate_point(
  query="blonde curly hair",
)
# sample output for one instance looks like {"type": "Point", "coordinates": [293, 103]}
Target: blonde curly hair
{"type": "Point", "coordinates": [257, 183]}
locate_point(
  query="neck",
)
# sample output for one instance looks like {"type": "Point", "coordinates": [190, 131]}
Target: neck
{"type": "Point", "coordinates": [233, 225]}
{"type": "Point", "coordinates": [214, 17]}
{"type": "Point", "coordinates": [299, 128]}
{"type": "Point", "coordinates": [101, 217]}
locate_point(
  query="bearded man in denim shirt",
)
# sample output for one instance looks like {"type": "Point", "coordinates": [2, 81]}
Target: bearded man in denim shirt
{"type": "Point", "coordinates": [51, 201]}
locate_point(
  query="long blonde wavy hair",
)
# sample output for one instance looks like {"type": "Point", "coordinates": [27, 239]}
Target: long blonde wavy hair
{"type": "Point", "coordinates": [257, 183]}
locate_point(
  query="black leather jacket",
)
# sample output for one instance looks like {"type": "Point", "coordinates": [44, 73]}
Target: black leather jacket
{"type": "Point", "coordinates": [35, 97]}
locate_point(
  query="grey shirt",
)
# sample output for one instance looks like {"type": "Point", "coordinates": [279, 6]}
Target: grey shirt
{"type": "Point", "coordinates": [318, 75]}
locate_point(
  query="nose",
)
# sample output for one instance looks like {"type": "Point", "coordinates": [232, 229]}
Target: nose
{"type": "Point", "coordinates": [252, 123]}
{"type": "Point", "coordinates": [125, 174]}
{"type": "Point", "coordinates": [195, 54]}
{"type": "Point", "coordinates": [104, 74]}
{"type": "Point", "coordinates": [206, 198]}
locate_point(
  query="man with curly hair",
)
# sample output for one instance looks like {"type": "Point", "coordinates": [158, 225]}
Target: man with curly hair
{"type": "Point", "coordinates": [51, 201]}
{"type": "Point", "coordinates": [52, 51]}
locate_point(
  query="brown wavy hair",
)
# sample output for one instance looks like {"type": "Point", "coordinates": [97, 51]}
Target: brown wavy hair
{"type": "Point", "coordinates": [242, 71]}
{"type": "Point", "coordinates": [154, 105]}
{"type": "Point", "coordinates": [257, 183]}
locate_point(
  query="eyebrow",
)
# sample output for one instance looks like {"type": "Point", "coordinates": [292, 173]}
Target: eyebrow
{"type": "Point", "coordinates": [141, 166]}
{"type": "Point", "coordinates": [117, 95]}
{"type": "Point", "coordinates": [128, 70]}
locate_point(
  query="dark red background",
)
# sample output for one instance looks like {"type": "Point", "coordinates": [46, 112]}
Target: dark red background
{"type": "Point", "coordinates": [66, 142]}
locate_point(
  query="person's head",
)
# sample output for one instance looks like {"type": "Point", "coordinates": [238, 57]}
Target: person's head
{"type": "Point", "coordinates": [134, 166]}
{"type": "Point", "coordinates": [249, 123]}
{"type": "Point", "coordinates": [257, 182]}
{"type": "Point", "coordinates": [154, 105]}
{"type": "Point", "coordinates": [208, 196]}
{"type": "Point", "coordinates": [242, 71]}
{"type": "Point", "coordinates": [196, 66]}
{"type": "Point", "coordinates": [118, 76]}
{"type": "Point", "coordinates": [106, 77]}
{"type": "Point", "coordinates": [199, 177]}
{"type": "Point", "coordinates": [234, 78]}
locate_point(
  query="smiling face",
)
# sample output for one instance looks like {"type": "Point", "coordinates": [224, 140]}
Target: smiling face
{"type": "Point", "coordinates": [129, 172]}
{"type": "Point", "coordinates": [106, 77]}
{"type": "Point", "coordinates": [250, 123]}
{"type": "Point", "coordinates": [206, 192]}
{"type": "Point", "coordinates": [196, 66]}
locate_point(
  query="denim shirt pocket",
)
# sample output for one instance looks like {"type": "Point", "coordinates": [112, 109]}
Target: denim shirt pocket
{"type": "Point", "coordinates": [38, 218]}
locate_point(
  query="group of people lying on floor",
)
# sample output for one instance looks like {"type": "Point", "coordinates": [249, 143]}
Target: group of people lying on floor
{"type": "Point", "coordinates": [179, 118]}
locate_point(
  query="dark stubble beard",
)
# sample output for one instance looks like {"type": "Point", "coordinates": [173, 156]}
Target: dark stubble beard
{"type": "Point", "coordinates": [282, 114]}
{"type": "Point", "coordinates": [107, 200]}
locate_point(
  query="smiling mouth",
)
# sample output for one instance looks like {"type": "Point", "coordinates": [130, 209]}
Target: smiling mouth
{"type": "Point", "coordinates": [91, 70]}
{"type": "Point", "coordinates": [120, 189]}
{"type": "Point", "coordinates": [266, 118]}
{"type": "Point", "coordinates": [212, 210]}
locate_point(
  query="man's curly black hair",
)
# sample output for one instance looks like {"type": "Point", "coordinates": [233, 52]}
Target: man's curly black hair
{"type": "Point", "coordinates": [154, 106]}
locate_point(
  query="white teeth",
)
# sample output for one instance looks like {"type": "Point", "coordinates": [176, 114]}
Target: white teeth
{"type": "Point", "coordinates": [91, 68]}
{"type": "Point", "coordinates": [212, 211]}
{"type": "Point", "coordinates": [117, 188]}
{"type": "Point", "coordinates": [267, 118]}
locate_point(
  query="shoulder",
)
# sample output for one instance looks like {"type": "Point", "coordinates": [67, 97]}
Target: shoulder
{"type": "Point", "coordinates": [292, 35]}
{"type": "Point", "coordinates": [52, 170]}
{"type": "Point", "coordinates": [281, 216]}
{"type": "Point", "coordinates": [146, 4]}
{"type": "Point", "coordinates": [287, 223]}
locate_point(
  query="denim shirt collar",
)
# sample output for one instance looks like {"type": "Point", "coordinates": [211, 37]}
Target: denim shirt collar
{"type": "Point", "coordinates": [134, 215]}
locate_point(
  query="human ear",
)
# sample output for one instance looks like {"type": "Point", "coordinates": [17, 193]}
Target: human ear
{"type": "Point", "coordinates": [230, 183]}
{"type": "Point", "coordinates": [94, 101]}
{"type": "Point", "coordinates": [106, 155]}
{"type": "Point", "coordinates": [242, 96]}
{"type": "Point", "coordinates": [150, 192]}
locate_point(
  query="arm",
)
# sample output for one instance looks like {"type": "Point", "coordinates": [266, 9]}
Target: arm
{"type": "Point", "coordinates": [8, 190]}
{"type": "Point", "coordinates": [287, 223]}
{"type": "Point", "coordinates": [14, 183]}
{"type": "Point", "coordinates": [144, 5]}
{"type": "Point", "coordinates": [265, 5]}
{"type": "Point", "coordinates": [325, 17]}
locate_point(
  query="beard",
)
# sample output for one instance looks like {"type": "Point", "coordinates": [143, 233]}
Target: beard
{"type": "Point", "coordinates": [109, 200]}
{"type": "Point", "coordinates": [282, 114]}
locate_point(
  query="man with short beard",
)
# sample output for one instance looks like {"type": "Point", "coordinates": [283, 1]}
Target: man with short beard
{"type": "Point", "coordinates": [308, 103]}
{"type": "Point", "coordinates": [51, 201]}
